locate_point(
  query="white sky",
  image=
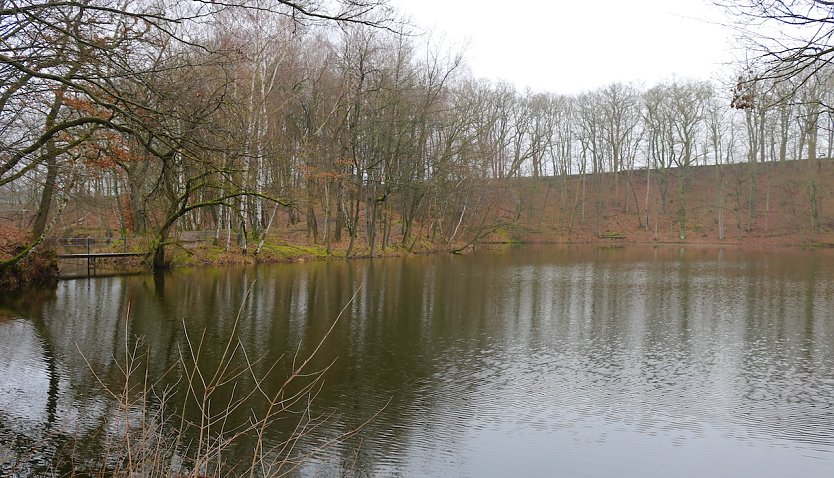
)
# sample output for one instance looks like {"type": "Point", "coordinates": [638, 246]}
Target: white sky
{"type": "Point", "coordinates": [571, 46]}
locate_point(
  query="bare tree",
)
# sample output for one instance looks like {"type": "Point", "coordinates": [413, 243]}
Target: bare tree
{"type": "Point", "coordinates": [620, 114]}
{"type": "Point", "coordinates": [70, 69]}
{"type": "Point", "coordinates": [791, 40]}
{"type": "Point", "coordinates": [591, 138]}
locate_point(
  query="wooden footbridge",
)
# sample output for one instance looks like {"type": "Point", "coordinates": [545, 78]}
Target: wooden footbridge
{"type": "Point", "coordinates": [92, 257]}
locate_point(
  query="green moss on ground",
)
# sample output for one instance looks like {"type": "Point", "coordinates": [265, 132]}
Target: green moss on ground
{"type": "Point", "coordinates": [293, 251]}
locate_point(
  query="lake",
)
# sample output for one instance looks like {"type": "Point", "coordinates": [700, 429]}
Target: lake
{"type": "Point", "coordinates": [531, 361]}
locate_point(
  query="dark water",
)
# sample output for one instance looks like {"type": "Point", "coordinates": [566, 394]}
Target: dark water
{"type": "Point", "coordinates": [633, 362]}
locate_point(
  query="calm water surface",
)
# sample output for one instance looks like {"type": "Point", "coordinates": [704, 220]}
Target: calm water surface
{"type": "Point", "coordinates": [635, 362]}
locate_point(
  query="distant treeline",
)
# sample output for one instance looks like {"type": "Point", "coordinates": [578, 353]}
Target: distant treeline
{"type": "Point", "coordinates": [204, 115]}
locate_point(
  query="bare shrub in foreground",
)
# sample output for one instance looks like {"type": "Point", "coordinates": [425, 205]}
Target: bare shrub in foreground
{"type": "Point", "coordinates": [148, 438]}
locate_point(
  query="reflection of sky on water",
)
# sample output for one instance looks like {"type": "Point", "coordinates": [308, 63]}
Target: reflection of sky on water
{"type": "Point", "coordinates": [711, 363]}
{"type": "Point", "coordinates": [25, 382]}
{"type": "Point", "coordinates": [48, 397]}
{"type": "Point", "coordinates": [36, 394]}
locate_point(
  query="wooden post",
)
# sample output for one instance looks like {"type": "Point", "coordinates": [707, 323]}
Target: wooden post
{"type": "Point", "coordinates": [90, 263]}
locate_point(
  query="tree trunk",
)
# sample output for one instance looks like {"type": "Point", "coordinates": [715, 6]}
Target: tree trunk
{"type": "Point", "coordinates": [158, 261]}
{"type": "Point", "coordinates": [312, 225]}
{"type": "Point", "coordinates": [135, 196]}
{"type": "Point", "coordinates": [682, 204]}
{"type": "Point", "coordinates": [648, 186]}
{"type": "Point", "coordinates": [50, 155]}
{"type": "Point", "coordinates": [328, 237]}
{"type": "Point", "coordinates": [720, 207]}
{"type": "Point", "coordinates": [46, 197]}
{"type": "Point", "coordinates": [630, 181]}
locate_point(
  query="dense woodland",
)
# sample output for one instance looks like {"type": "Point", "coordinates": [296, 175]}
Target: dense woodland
{"type": "Point", "coordinates": [230, 117]}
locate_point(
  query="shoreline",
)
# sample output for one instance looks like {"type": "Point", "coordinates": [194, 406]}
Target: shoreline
{"type": "Point", "coordinates": [203, 257]}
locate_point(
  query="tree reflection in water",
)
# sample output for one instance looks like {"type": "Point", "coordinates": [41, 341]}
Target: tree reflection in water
{"type": "Point", "coordinates": [533, 361]}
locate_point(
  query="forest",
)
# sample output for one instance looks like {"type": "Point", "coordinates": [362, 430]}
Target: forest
{"type": "Point", "coordinates": [346, 127]}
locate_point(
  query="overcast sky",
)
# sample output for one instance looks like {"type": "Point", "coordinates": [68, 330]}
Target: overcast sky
{"type": "Point", "coordinates": [571, 46]}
